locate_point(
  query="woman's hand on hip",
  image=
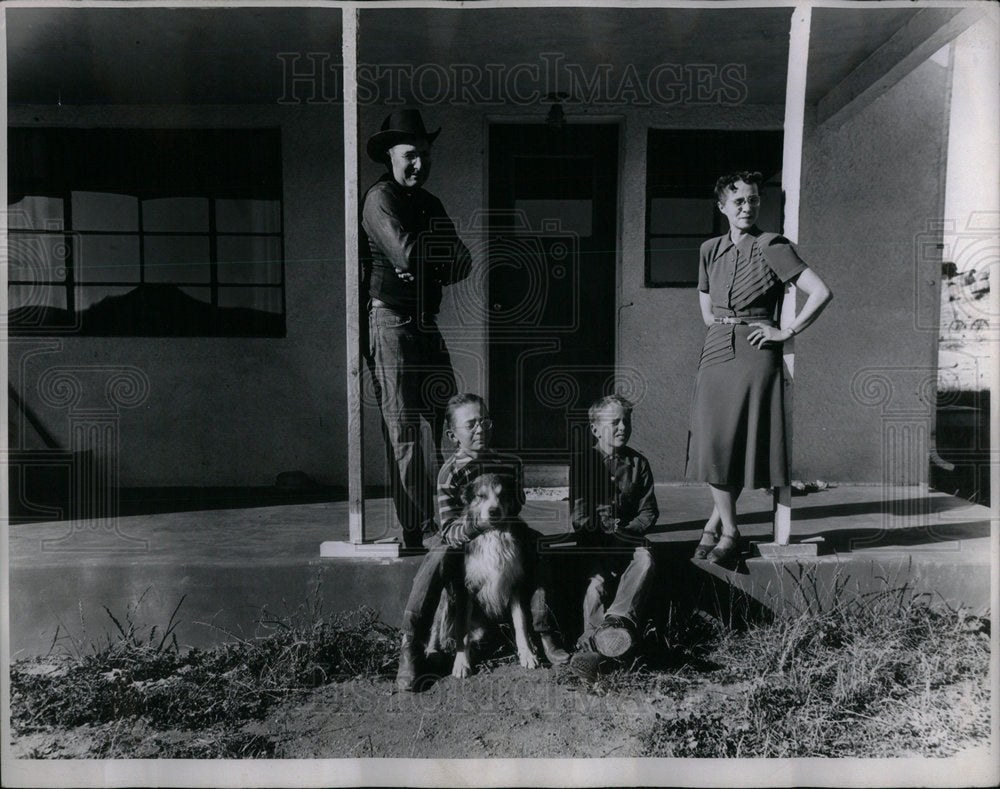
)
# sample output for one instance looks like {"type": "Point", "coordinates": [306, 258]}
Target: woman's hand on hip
{"type": "Point", "coordinates": [761, 334]}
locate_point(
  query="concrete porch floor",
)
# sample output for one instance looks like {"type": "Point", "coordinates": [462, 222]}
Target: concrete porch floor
{"type": "Point", "coordinates": [230, 563]}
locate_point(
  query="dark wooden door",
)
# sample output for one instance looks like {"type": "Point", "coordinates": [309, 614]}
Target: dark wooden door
{"type": "Point", "coordinates": [553, 200]}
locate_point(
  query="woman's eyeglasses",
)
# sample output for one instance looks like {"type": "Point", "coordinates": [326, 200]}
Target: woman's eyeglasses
{"type": "Point", "coordinates": [485, 424]}
{"type": "Point", "coordinates": [753, 200]}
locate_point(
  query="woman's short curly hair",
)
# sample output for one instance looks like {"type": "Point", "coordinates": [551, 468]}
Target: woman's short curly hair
{"type": "Point", "coordinates": [726, 182]}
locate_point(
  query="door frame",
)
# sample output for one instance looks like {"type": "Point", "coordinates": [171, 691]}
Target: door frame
{"type": "Point", "coordinates": [535, 120]}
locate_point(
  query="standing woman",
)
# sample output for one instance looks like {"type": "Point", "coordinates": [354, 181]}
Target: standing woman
{"type": "Point", "coordinates": [737, 436]}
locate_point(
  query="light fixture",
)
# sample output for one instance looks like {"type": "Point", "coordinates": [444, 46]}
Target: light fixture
{"type": "Point", "coordinates": [556, 118]}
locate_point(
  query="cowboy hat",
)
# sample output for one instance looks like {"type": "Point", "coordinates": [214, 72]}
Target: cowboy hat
{"type": "Point", "coordinates": [399, 126]}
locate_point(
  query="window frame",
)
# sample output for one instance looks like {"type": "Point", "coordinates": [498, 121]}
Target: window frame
{"type": "Point", "coordinates": [706, 154]}
{"type": "Point", "coordinates": [62, 187]}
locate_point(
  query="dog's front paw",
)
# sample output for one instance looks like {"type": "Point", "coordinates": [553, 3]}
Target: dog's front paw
{"type": "Point", "coordinates": [461, 667]}
{"type": "Point", "coordinates": [528, 659]}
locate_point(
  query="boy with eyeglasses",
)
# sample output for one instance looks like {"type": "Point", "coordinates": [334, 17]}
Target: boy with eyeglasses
{"type": "Point", "coordinates": [469, 426]}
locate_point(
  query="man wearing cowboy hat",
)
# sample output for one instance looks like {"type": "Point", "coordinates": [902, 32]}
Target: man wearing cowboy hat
{"type": "Point", "coordinates": [414, 250]}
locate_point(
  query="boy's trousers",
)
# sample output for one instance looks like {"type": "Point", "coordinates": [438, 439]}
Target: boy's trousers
{"type": "Point", "coordinates": [620, 583]}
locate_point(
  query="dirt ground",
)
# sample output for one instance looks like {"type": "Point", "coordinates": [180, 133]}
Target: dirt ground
{"type": "Point", "coordinates": [501, 711]}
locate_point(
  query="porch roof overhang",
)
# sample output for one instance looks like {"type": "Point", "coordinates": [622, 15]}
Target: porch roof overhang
{"type": "Point", "coordinates": [95, 55]}
{"type": "Point", "coordinates": [147, 56]}
{"type": "Point", "coordinates": [850, 48]}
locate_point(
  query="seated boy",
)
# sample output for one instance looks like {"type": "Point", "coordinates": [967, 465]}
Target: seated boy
{"type": "Point", "coordinates": [612, 506]}
{"type": "Point", "coordinates": [469, 426]}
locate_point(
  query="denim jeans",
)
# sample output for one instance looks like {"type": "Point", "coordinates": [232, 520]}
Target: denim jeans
{"type": "Point", "coordinates": [413, 381]}
{"type": "Point", "coordinates": [619, 586]}
{"type": "Point", "coordinates": [444, 568]}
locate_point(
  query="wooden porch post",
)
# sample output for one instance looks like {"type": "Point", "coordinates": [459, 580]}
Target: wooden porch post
{"type": "Point", "coordinates": [356, 547]}
{"type": "Point", "coordinates": [355, 421]}
{"type": "Point", "coordinates": [791, 175]}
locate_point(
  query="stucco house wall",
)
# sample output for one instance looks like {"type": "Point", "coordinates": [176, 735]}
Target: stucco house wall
{"type": "Point", "coordinates": [872, 192]}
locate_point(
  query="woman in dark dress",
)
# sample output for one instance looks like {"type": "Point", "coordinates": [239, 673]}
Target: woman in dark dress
{"type": "Point", "coordinates": [737, 434]}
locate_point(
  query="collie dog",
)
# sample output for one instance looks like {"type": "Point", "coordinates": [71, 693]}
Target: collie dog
{"type": "Point", "coordinates": [497, 575]}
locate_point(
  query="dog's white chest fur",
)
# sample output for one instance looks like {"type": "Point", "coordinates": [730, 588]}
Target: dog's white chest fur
{"type": "Point", "coordinates": [494, 569]}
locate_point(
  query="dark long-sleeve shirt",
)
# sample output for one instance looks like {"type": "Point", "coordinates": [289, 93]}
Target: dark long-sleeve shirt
{"type": "Point", "coordinates": [409, 230]}
{"type": "Point", "coordinates": [611, 496]}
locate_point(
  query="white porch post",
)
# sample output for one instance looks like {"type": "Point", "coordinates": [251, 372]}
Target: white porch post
{"type": "Point", "coordinates": [355, 421]}
{"type": "Point", "coordinates": [791, 175]}
{"type": "Point", "coordinates": [356, 547]}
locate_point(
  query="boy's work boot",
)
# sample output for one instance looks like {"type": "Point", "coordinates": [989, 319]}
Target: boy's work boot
{"type": "Point", "coordinates": [409, 660]}
{"type": "Point", "coordinates": [587, 665]}
{"type": "Point", "coordinates": [554, 653]}
{"type": "Point", "coordinates": [614, 637]}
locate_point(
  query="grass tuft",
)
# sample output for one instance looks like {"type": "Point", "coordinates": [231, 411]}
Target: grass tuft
{"type": "Point", "coordinates": [866, 676]}
{"type": "Point", "coordinates": [139, 673]}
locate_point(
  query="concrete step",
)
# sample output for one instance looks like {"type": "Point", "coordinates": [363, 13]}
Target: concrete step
{"type": "Point", "coordinates": [537, 475]}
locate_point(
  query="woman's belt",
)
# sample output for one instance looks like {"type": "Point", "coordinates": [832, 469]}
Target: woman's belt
{"type": "Point", "coordinates": [746, 320]}
{"type": "Point", "coordinates": [720, 344]}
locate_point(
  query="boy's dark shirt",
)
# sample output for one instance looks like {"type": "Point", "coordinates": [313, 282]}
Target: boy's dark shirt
{"type": "Point", "coordinates": [624, 483]}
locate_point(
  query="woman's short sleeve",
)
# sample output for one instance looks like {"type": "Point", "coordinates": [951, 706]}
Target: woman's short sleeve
{"type": "Point", "coordinates": [703, 256]}
{"type": "Point", "coordinates": [782, 258]}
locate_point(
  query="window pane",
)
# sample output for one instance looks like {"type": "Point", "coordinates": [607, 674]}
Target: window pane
{"type": "Point", "coordinates": [108, 259]}
{"type": "Point", "coordinates": [249, 259]}
{"type": "Point", "coordinates": [177, 259]}
{"type": "Point", "coordinates": [204, 295]}
{"type": "Point", "coordinates": [247, 216]}
{"type": "Point", "coordinates": [573, 216]}
{"type": "Point", "coordinates": [34, 257]}
{"type": "Point", "coordinates": [36, 212]}
{"type": "Point", "coordinates": [262, 299]}
{"type": "Point", "coordinates": [104, 211]}
{"type": "Point", "coordinates": [23, 296]}
{"type": "Point", "coordinates": [90, 295]}
{"type": "Point", "coordinates": [176, 214]}
{"type": "Point", "coordinates": [673, 259]}
{"type": "Point", "coordinates": [692, 215]}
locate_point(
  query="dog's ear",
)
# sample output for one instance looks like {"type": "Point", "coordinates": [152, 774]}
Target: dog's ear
{"type": "Point", "coordinates": [469, 491]}
{"type": "Point", "coordinates": [515, 495]}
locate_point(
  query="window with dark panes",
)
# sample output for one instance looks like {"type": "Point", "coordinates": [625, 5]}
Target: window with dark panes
{"type": "Point", "coordinates": [681, 169]}
{"type": "Point", "coordinates": [145, 232]}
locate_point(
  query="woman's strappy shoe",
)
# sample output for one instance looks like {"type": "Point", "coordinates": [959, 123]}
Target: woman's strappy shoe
{"type": "Point", "coordinates": [709, 539]}
{"type": "Point", "coordinates": [727, 549]}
